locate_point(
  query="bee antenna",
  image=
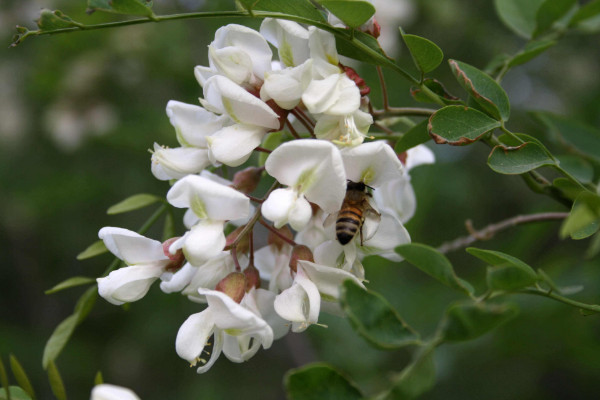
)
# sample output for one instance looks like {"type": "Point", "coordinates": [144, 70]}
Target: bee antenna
{"type": "Point", "coordinates": [370, 187]}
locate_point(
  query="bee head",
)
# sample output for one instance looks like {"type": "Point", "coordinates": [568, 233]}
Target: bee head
{"type": "Point", "coordinates": [360, 186]}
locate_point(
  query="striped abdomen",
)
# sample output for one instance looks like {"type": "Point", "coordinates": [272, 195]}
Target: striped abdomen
{"type": "Point", "coordinates": [349, 222]}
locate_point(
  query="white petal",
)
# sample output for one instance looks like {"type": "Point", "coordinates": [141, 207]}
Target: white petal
{"type": "Point", "coordinates": [247, 40]}
{"type": "Point", "coordinates": [290, 38]}
{"type": "Point", "coordinates": [240, 348]}
{"type": "Point", "coordinates": [264, 302]}
{"type": "Point", "coordinates": [208, 199]}
{"type": "Point", "coordinates": [322, 46]}
{"type": "Point", "coordinates": [208, 275]}
{"type": "Point", "coordinates": [130, 246]}
{"type": "Point", "coordinates": [300, 303]}
{"type": "Point", "coordinates": [240, 105]}
{"type": "Point", "coordinates": [327, 279]}
{"type": "Point", "coordinates": [390, 234]}
{"type": "Point", "coordinates": [418, 155]}
{"type": "Point", "coordinates": [175, 282]}
{"type": "Point", "coordinates": [193, 123]}
{"type": "Point", "coordinates": [204, 241]}
{"type": "Point", "coordinates": [286, 86]}
{"type": "Point", "coordinates": [312, 167]}
{"type": "Point", "coordinates": [232, 62]}
{"type": "Point", "coordinates": [300, 214]}
{"type": "Point", "coordinates": [192, 337]}
{"type": "Point", "coordinates": [397, 197]}
{"type": "Point", "coordinates": [372, 163]}
{"type": "Point", "coordinates": [273, 265]}
{"type": "Point", "coordinates": [344, 130]}
{"type": "Point", "coordinates": [176, 163]}
{"type": "Point", "coordinates": [277, 206]}
{"type": "Point", "coordinates": [202, 74]}
{"type": "Point", "coordinates": [233, 145]}
{"type": "Point", "coordinates": [129, 284]}
{"type": "Point", "coordinates": [106, 391]}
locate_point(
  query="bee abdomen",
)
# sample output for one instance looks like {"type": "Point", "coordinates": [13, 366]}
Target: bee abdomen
{"type": "Point", "coordinates": [346, 228]}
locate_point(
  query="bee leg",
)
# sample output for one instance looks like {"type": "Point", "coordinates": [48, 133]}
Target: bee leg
{"type": "Point", "coordinates": [361, 235]}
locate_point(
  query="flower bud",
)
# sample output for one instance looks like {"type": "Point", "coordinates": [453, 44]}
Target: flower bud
{"type": "Point", "coordinates": [300, 252]}
{"type": "Point", "coordinates": [277, 240]}
{"type": "Point", "coordinates": [375, 29]}
{"type": "Point", "coordinates": [247, 179]}
{"type": "Point", "coordinates": [252, 277]}
{"type": "Point", "coordinates": [360, 82]}
{"type": "Point", "coordinates": [242, 246]}
{"type": "Point", "coordinates": [177, 259]}
{"type": "Point", "coordinates": [233, 285]}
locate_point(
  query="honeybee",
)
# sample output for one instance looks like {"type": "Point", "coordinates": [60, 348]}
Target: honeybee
{"type": "Point", "coordinates": [351, 216]}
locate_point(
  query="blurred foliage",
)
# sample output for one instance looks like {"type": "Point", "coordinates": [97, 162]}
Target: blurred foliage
{"type": "Point", "coordinates": [77, 113]}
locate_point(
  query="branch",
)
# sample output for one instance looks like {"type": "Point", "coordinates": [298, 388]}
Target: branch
{"type": "Point", "coordinates": [489, 231]}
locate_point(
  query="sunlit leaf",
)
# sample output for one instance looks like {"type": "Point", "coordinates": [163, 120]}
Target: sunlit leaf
{"type": "Point", "coordinates": [319, 382]}
{"type": "Point", "coordinates": [466, 321]}
{"type": "Point", "coordinates": [375, 319]}
{"type": "Point", "coordinates": [352, 13]}
{"type": "Point", "coordinates": [93, 250]}
{"type": "Point", "coordinates": [483, 89]}
{"type": "Point", "coordinates": [21, 376]}
{"type": "Point", "coordinates": [426, 55]}
{"type": "Point", "coordinates": [130, 7]}
{"type": "Point", "coordinates": [132, 203]}
{"type": "Point", "coordinates": [56, 382]}
{"type": "Point", "coordinates": [459, 125]}
{"type": "Point", "coordinates": [434, 264]}
{"type": "Point", "coordinates": [519, 15]}
{"type": "Point", "coordinates": [416, 378]}
{"type": "Point", "coordinates": [518, 160]}
{"type": "Point", "coordinates": [584, 219]}
{"type": "Point", "coordinates": [551, 11]}
{"type": "Point", "coordinates": [415, 136]}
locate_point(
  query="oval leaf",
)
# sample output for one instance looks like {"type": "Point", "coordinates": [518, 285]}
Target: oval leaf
{"type": "Point", "coordinates": [507, 272]}
{"type": "Point", "coordinates": [498, 258]}
{"type": "Point", "coordinates": [356, 47]}
{"type": "Point", "coordinates": [299, 8]}
{"type": "Point", "coordinates": [567, 187]}
{"type": "Point", "coordinates": [51, 20]}
{"type": "Point", "coordinates": [436, 87]}
{"type": "Point", "coordinates": [581, 169]}
{"type": "Point", "coordinates": [134, 202]}
{"type": "Point", "coordinates": [469, 321]}
{"type": "Point", "coordinates": [584, 219]}
{"type": "Point", "coordinates": [21, 376]}
{"type": "Point", "coordinates": [353, 13]}
{"type": "Point", "coordinates": [319, 382]}
{"type": "Point", "coordinates": [531, 50]}
{"type": "Point", "coordinates": [483, 89]}
{"type": "Point", "coordinates": [587, 11]}
{"type": "Point", "coordinates": [71, 282]}
{"type": "Point", "coordinates": [433, 263]}
{"type": "Point", "coordinates": [130, 7]}
{"type": "Point", "coordinates": [426, 55]}
{"type": "Point", "coordinates": [56, 382]}
{"type": "Point", "coordinates": [551, 11]}
{"type": "Point", "coordinates": [519, 15]}
{"type": "Point", "coordinates": [518, 160]}
{"type": "Point", "coordinates": [417, 378]}
{"type": "Point", "coordinates": [459, 125]}
{"type": "Point", "coordinates": [16, 393]}
{"type": "Point", "coordinates": [375, 319]}
{"type": "Point", "coordinates": [93, 250]}
{"type": "Point", "coordinates": [415, 136]}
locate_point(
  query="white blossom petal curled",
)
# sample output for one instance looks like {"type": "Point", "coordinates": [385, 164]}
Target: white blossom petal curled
{"type": "Point", "coordinates": [129, 284]}
{"type": "Point", "coordinates": [176, 281]}
{"type": "Point", "coordinates": [204, 241]}
{"type": "Point", "coordinates": [327, 279]}
{"type": "Point", "coordinates": [372, 163]}
{"type": "Point", "coordinates": [106, 391]}
{"type": "Point", "coordinates": [286, 86]}
{"type": "Point", "coordinates": [418, 155]}
{"type": "Point", "coordinates": [176, 163]}
{"type": "Point", "coordinates": [322, 46]}
{"type": "Point", "coordinates": [335, 95]}
{"type": "Point", "coordinates": [274, 266]}
{"type": "Point", "coordinates": [312, 168]}
{"type": "Point", "coordinates": [290, 39]}
{"type": "Point", "coordinates": [193, 336]}
{"type": "Point", "coordinates": [344, 130]}
{"type": "Point", "coordinates": [390, 234]}
{"type": "Point", "coordinates": [209, 274]}
{"type": "Point", "coordinates": [208, 199]}
{"type": "Point", "coordinates": [241, 106]}
{"type": "Point", "coordinates": [233, 145]}
{"type": "Point", "coordinates": [193, 123]}
{"type": "Point", "coordinates": [260, 301]}
{"type": "Point", "coordinates": [299, 304]}
{"type": "Point", "coordinates": [231, 62]}
{"type": "Point", "coordinates": [397, 197]}
{"type": "Point", "coordinates": [130, 246]}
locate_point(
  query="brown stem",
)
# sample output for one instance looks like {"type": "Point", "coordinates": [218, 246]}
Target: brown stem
{"type": "Point", "coordinates": [251, 245]}
{"type": "Point", "coordinates": [276, 232]}
{"type": "Point", "coordinates": [292, 130]}
{"type": "Point", "coordinates": [407, 111]}
{"type": "Point", "coordinates": [383, 128]}
{"type": "Point", "coordinates": [384, 94]}
{"type": "Point", "coordinates": [235, 258]}
{"type": "Point", "coordinates": [263, 150]}
{"type": "Point", "coordinates": [300, 117]}
{"type": "Point", "coordinates": [489, 231]}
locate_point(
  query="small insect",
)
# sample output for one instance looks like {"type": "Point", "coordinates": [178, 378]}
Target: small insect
{"type": "Point", "coordinates": [351, 216]}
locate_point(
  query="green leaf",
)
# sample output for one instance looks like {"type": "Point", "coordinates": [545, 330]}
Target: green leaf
{"type": "Point", "coordinates": [300, 8]}
{"type": "Point", "coordinates": [51, 20]}
{"type": "Point", "coordinates": [21, 376]}
{"type": "Point", "coordinates": [426, 55]}
{"type": "Point", "coordinates": [584, 219]}
{"type": "Point", "coordinates": [483, 89]}
{"type": "Point", "coordinates": [459, 125]}
{"type": "Point", "coordinates": [64, 330]}
{"type": "Point", "coordinates": [531, 50]}
{"type": "Point", "coordinates": [572, 134]}
{"type": "Point", "coordinates": [271, 142]}
{"type": "Point", "coordinates": [247, 4]}
{"type": "Point", "coordinates": [375, 319]}
{"type": "Point", "coordinates": [416, 378]}
{"type": "Point", "coordinates": [493, 257]}
{"type": "Point", "coordinates": [353, 13]}
{"type": "Point", "coordinates": [507, 272]}
{"type": "Point", "coordinates": [413, 137]}
{"type": "Point", "coordinates": [467, 321]}
{"type": "Point", "coordinates": [98, 379]}
{"type": "Point", "coordinates": [519, 15]}
{"type": "Point", "coordinates": [132, 203]}
{"type": "Point", "coordinates": [434, 264]}
{"type": "Point", "coordinates": [353, 47]}
{"type": "Point", "coordinates": [570, 189]}
{"type": "Point", "coordinates": [3, 378]}
{"type": "Point", "coordinates": [130, 7]}
{"type": "Point", "coordinates": [578, 167]}
{"type": "Point", "coordinates": [518, 160]}
{"type": "Point", "coordinates": [587, 11]}
{"type": "Point", "coordinates": [16, 393]}
{"type": "Point", "coordinates": [551, 11]}
{"type": "Point", "coordinates": [319, 381]}
{"type": "Point", "coordinates": [594, 248]}
{"type": "Point", "coordinates": [71, 282]}
{"type": "Point", "coordinates": [436, 87]}
{"type": "Point", "coordinates": [169, 227]}
{"type": "Point", "coordinates": [56, 382]}
{"type": "Point", "coordinates": [93, 250]}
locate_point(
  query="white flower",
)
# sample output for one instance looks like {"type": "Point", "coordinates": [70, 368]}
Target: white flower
{"type": "Point", "coordinates": [299, 304]}
{"type": "Point", "coordinates": [313, 171]}
{"type": "Point", "coordinates": [286, 86]}
{"type": "Point", "coordinates": [344, 130]}
{"type": "Point", "coordinates": [106, 391]}
{"type": "Point", "coordinates": [176, 163]}
{"type": "Point", "coordinates": [210, 273]}
{"type": "Point", "coordinates": [145, 259]}
{"type": "Point", "coordinates": [235, 330]}
{"type": "Point", "coordinates": [213, 204]}
{"type": "Point", "coordinates": [334, 95]}
{"type": "Point", "coordinates": [193, 123]}
{"type": "Point", "coordinates": [274, 266]}
{"type": "Point", "coordinates": [290, 39]}
{"type": "Point", "coordinates": [372, 163]}
{"type": "Point", "coordinates": [314, 233]}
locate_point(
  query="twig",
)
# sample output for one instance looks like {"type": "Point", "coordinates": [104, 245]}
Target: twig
{"type": "Point", "coordinates": [276, 232]}
{"type": "Point", "coordinates": [292, 130]}
{"type": "Point", "coordinates": [408, 111]}
{"type": "Point", "coordinates": [383, 128]}
{"type": "Point", "coordinates": [489, 231]}
{"type": "Point", "coordinates": [384, 95]}
{"type": "Point", "coordinates": [263, 150]}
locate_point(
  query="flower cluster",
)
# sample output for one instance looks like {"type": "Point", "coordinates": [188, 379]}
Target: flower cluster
{"type": "Point", "coordinates": [255, 296]}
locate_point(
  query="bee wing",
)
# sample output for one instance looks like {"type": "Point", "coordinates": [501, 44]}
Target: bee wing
{"type": "Point", "coordinates": [330, 220]}
{"type": "Point", "coordinates": [371, 222]}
